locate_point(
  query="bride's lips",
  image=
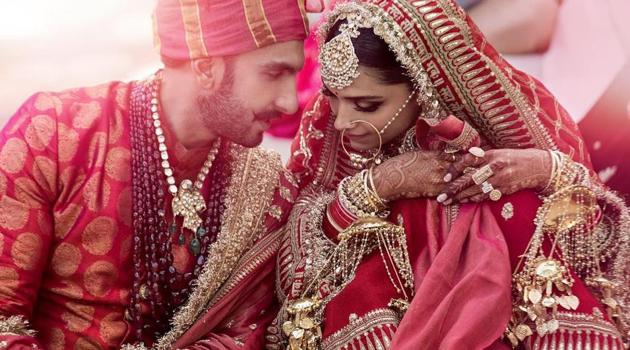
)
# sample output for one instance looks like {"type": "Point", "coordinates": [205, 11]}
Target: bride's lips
{"type": "Point", "coordinates": [355, 136]}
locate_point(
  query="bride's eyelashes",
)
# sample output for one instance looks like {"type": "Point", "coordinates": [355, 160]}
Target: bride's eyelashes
{"type": "Point", "coordinates": [367, 107]}
{"type": "Point", "coordinates": [359, 106]}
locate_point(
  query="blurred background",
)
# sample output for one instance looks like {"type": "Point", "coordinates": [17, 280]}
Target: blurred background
{"type": "Point", "coordinates": [580, 49]}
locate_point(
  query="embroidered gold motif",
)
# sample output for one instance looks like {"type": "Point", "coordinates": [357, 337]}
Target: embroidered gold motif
{"type": "Point", "coordinates": [385, 320]}
{"type": "Point", "coordinates": [255, 176]}
{"type": "Point", "coordinates": [285, 193]}
{"type": "Point", "coordinates": [275, 212]}
{"type": "Point", "coordinates": [508, 211]}
{"type": "Point", "coordinates": [15, 325]}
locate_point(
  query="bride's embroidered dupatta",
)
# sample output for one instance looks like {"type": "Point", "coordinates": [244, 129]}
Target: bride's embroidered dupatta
{"type": "Point", "coordinates": [459, 255]}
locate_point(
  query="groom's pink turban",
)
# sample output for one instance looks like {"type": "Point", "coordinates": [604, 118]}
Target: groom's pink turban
{"type": "Point", "coordinates": [189, 29]}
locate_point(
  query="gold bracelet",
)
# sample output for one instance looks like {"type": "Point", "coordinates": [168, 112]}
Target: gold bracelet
{"type": "Point", "coordinates": [465, 139]}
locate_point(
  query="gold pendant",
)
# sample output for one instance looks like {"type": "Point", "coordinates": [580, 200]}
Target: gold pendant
{"type": "Point", "coordinates": [304, 332]}
{"type": "Point", "coordinates": [188, 204]}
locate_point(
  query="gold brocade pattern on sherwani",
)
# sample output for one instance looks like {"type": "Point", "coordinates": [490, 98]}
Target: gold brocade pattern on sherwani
{"type": "Point", "coordinates": [249, 193]}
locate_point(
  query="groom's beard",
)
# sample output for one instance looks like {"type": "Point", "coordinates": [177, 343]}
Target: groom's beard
{"type": "Point", "coordinates": [224, 115]}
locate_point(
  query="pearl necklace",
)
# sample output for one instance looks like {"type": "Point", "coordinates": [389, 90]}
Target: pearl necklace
{"type": "Point", "coordinates": [188, 202]}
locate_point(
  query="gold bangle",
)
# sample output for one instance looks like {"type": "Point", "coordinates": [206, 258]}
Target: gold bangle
{"type": "Point", "coordinates": [465, 139]}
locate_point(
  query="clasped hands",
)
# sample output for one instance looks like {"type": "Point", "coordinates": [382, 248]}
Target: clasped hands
{"type": "Point", "coordinates": [472, 176]}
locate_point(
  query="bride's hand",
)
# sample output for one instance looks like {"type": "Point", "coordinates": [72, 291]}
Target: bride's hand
{"type": "Point", "coordinates": [411, 175]}
{"type": "Point", "coordinates": [512, 170]}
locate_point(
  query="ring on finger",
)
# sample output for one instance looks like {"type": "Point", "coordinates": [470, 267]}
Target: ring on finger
{"type": "Point", "coordinates": [495, 195]}
{"type": "Point", "coordinates": [483, 174]}
{"type": "Point", "coordinates": [452, 153]}
{"type": "Point", "coordinates": [478, 152]}
{"type": "Point", "coordinates": [469, 170]}
{"type": "Point", "coordinates": [486, 187]}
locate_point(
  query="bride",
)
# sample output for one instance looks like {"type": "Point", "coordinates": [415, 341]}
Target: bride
{"type": "Point", "coordinates": [446, 200]}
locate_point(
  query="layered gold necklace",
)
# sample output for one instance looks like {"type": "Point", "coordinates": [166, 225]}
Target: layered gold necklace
{"type": "Point", "coordinates": [188, 202]}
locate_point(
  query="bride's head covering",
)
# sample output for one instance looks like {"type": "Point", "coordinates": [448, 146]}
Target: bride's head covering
{"type": "Point", "coordinates": [456, 73]}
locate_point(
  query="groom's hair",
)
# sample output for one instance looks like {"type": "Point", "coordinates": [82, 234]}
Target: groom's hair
{"type": "Point", "coordinates": [373, 52]}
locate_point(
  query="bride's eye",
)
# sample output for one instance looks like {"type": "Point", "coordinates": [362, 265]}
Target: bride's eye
{"type": "Point", "coordinates": [367, 107]}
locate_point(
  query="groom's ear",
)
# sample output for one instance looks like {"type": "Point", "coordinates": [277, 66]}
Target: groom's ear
{"type": "Point", "coordinates": [209, 72]}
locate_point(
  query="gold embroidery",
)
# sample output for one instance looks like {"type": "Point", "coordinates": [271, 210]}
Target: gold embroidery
{"type": "Point", "coordinates": [257, 22]}
{"type": "Point", "coordinates": [193, 29]}
{"type": "Point", "coordinates": [275, 212]}
{"type": "Point", "coordinates": [507, 211]}
{"type": "Point", "coordinates": [24, 189]}
{"type": "Point", "coordinates": [66, 259]}
{"type": "Point", "coordinates": [285, 193]}
{"type": "Point", "coordinates": [45, 174]}
{"type": "Point", "coordinates": [9, 280]}
{"type": "Point", "coordinates": [112, 328]}
{"type": "Point", "coordinates": [26, 251]}
{"type": "Point", "coordinates": [125, 250]}
{"type": "Point", "coordinates": [116, 127]}
{"type": "Point", "coordinates": [78, 317]}
{"type": "Point", "coordinates": [39, 132]}
{"type": "Point", "coordinates": [84, 114]}
{"type": "Point", "coordinates": [385, 320]}
{"type": "Point", "coordinates": [98, 236]}
{"type": "Point", "coordinates": [85, 343]}
{"type": "Point", "coordinates": [306, 135]}
{"type": "Point", "coordinates": [57, 339]}
{"type": "Point", "coordinates": [13, 155]}
{"type": "Point", "coordinates": [96, 150]}
{"type": "Point", "coordinates": [65, 220]}
{"type": "Point", "coordinates": [13, 214]}
{"type": "Point", "coordinates": [99, 91]}
{"type": "Point", "coordinates": [117, 164]}
{"type": "Point", "coordinates": [45, 101]}
{"type": "Point", "coordinates": [99, 278]}
{"type": "Point", "coordinates": [15, 325]}
{"type": "Point", "coordinates": [96, 192]}
{"type": "Point", "coordinates": [3, 184]}
{"type": "Point", "coordinates": [69, 290]}
{"type": "Point", "coordinates": [255, 176]}
{"type": "Point", "coordinates": [68, 142]}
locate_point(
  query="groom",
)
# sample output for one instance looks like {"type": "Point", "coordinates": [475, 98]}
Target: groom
{"type": "Point", "coordinates": [138, 213]}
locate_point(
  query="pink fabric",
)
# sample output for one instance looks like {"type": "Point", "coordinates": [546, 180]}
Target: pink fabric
{"type": "Point", "coordinates": [185, 29]}
{"type": "Point", "coordinates": [461, 274]}
{"type": "Point", "coordinates": [592, 38]}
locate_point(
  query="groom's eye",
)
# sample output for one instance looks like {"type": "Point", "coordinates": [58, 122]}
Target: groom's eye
{"type": "Point", "coordinates": [273, 75]}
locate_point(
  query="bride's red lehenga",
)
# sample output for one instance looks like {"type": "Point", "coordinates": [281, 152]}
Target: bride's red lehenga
{"type": "Point", "coordinates": [469, 263]}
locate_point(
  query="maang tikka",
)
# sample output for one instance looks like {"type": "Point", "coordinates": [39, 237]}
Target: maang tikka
{"type": "Point", "coordinates": [339, 62]}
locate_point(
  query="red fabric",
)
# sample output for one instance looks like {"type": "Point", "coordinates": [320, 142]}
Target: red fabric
{"type": "Point", "coordinates": [66, 221]}
{"type": "Point", "coordinates": [191, 29]}
{"type": "Point", "coordinates": [66, 184]}
{"type": "Point", "coordinates": [462, 273]}
{"type": "Point", "coordinates": [462, 280]}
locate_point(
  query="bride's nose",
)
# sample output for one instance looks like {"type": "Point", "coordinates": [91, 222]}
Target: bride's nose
{"type": "Point", "coordinates": [343, 119]}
